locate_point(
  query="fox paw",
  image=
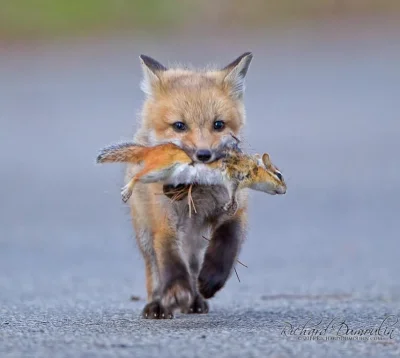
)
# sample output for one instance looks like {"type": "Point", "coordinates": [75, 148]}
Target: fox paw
{"type": "Point", "coordinates": [199, 306]}
{"type": "Point", "coordinates": [154, 310]}
{"type": "Point", "coordinates": [211, 279]}
{"type": "Point", "coordinates": [230, 208]}
{"type": "Point", "coordinates": [178, 294]}
{"type": "Point", "coordinates": [126, 193]}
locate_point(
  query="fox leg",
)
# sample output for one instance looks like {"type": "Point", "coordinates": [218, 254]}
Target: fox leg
{"type": "Point", "coordinates": [176, 285]}
{"type": "Point", "coordinates": [144, 238]}
{"type": "Point", "coordinates": [221, 254]}
{"type": "Point", "coordinates": [171, 287]}
{"type": "Point", "coordinates": [150, 235]}
{"type": "Point", "coordinates": [153, 309]}
{"type": "Point", "coordinates": [194, 244]}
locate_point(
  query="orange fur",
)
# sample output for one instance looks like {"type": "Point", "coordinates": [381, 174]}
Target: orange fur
{"type": "Point", "coordinates": [155, 156]}
{"type": "Point", "coordinates": [245, 169]}
{"type": "Point", "coordinates": [197, 98]}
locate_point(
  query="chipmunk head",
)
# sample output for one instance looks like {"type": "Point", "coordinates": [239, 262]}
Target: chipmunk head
{"type": "Point", "coordinates": [271, 180]}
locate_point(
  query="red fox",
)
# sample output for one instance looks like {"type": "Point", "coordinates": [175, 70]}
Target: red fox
{"type": "Point", "coordinates": [171, 165]}
{"type": "Point", "coordinates": [195, 110]}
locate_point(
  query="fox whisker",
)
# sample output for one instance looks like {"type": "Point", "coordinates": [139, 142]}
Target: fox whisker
{"type": "Point", "coordinates": [236, 274]}
{"type": "Point", "coordinates": [241, 263]}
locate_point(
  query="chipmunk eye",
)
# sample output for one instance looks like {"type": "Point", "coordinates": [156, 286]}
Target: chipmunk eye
{"type": "Point", "coordinates": [179, 126]}
{"type": "Point", "coordinates": [279, 175]}
{"type": "Point", "coordinates": [219, 125]}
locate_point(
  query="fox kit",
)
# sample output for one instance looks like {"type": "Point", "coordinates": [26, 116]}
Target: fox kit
{"type": "Point", "coordinates": [170, 164]}
{"type": "Point", "coordinates": [195, 110]}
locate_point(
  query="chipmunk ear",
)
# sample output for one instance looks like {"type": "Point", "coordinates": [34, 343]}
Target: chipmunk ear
{"type": "Point", "coordinates": [235, 74]}
{"type": "Point", "coordinates": [259, 160]}
{"type": "Point", "coordinates": [266, 160]}
{"type": "Point", "coordinates": [152, 70]}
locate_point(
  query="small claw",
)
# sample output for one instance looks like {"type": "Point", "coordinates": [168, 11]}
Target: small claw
{"type": "Point", "coordinates": [199, 306]}
{"type": "Point", "coordinates": [230, 208]}
{"type": "Point", "coordinates": [126, 193]}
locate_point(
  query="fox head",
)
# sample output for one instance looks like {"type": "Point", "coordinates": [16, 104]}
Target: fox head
{"type": "Point", "coordinates": [197, 110]}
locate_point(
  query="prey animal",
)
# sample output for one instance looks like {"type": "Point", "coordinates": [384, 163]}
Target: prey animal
{"type": "Point", "coordinates": [172, 165]}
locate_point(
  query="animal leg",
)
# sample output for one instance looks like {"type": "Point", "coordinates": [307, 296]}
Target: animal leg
{"type": "Point", "coordinates": [232, 205]}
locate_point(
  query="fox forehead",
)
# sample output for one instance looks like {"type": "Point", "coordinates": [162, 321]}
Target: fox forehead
{"type": "Point", "coordinates": [194, 98]}
{"type": "Point", "coordinates": [180, 78]}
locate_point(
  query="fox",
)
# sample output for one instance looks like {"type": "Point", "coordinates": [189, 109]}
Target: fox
{"type": "Point", "coordinates": [194, 109]}
{"type": "Point", "coordinates": [170, 164]}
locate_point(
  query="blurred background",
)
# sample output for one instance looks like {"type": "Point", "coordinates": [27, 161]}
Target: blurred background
{"type": "Point", "coordinates": [25, 19]}
{"type": "Point", "coordinates": [322, 98]}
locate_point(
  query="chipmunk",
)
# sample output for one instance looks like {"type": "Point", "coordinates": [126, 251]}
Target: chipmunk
{"type": "Point", "coordinates": [170, 164]}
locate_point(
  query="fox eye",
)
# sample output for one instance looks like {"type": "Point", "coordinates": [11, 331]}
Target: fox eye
{"type": "Point", "coordinates": [179, 126]}
{"type": "Point", "coordinates": [219, 125]}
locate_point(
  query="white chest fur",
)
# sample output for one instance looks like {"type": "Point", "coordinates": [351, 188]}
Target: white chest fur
{"type": "Point", "coordinates": [197, 173]}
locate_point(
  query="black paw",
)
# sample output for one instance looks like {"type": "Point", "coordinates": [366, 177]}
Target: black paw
{"type": "Point", "coordinates": [154, 310]}
{"type": "Point", "coordinates": [199, 306]}
{"type": "Point", "coordinates": [177, 294]}
{"type": "Point", "coordinates": [211, 280]}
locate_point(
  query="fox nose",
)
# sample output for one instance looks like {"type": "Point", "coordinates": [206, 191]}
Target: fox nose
{"type": "Point", "coordinates": [203, 155]}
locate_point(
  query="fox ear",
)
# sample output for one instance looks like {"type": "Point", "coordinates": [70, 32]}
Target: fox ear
{"type": "Point", "coordinates": [235, 73]}
{"type": "Point", "coordinates": [266, 160]}
{"type": "Point", "coordinates": [151, 73]}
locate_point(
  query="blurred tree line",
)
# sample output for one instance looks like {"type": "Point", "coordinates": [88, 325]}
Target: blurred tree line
{"type": "Point", "coordinates": [38, 18]}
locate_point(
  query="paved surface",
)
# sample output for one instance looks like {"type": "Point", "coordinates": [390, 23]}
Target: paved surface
{"type": "Point", "coordinates": [325, 106]}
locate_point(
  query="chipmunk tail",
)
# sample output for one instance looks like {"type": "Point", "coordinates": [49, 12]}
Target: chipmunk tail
{"type": "Point", "coordinates": [126, 152]}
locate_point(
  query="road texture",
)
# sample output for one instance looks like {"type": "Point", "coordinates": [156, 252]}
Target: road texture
{"type": "Point", "coordinates": [324, 102]}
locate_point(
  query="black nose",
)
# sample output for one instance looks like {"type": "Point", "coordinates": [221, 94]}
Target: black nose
{"type": "Point", "coordinates": [203, 155]}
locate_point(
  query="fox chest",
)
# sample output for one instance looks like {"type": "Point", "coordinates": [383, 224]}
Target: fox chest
{"type": "Point", "coordinates": [206, 201]}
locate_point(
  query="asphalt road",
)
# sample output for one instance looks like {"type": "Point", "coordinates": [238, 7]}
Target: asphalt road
{"type": "Point", "coordinates": [323, 102]}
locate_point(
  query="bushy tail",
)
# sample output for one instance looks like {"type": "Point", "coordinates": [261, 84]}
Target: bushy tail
{"type": "Point", "coordinates": [127, 152]}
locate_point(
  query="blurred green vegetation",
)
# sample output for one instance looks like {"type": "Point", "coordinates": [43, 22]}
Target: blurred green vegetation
{"type": "Point", "coordinates": [38, 18]}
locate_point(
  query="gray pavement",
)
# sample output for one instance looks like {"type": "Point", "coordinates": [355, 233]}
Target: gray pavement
{"type": "Point", "coordinates": [324, 102]}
